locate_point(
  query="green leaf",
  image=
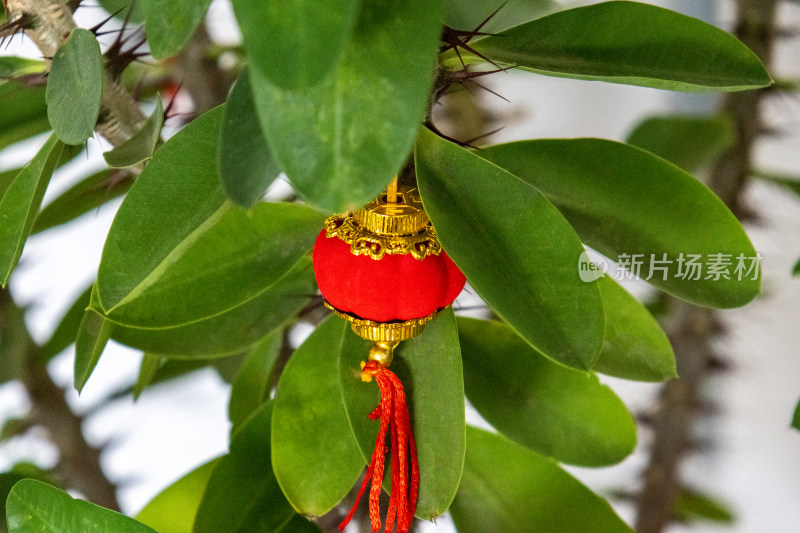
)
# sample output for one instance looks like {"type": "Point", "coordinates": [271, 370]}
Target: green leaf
{"type": "Point", "coordinates": [75, 87]}
{"type": "Point", "coordinates": [295, 44]}
{"type": "Point", "coordinates": [796, 269]}
{"type": "Point", "coordinates": [12, 66]}
{"type": "Point", "coordinates": [173, 510]}
{"type": "Point", "coordinates": [509, 488]}
{"type": "Point", "coordinates": [429, 366]}
{"type": "Point", "coordinates": [36, 507]}
{"type": "Point", "coordinates": [24, 112]}
{"type": "Point", "coordinates": [242, 494]}
{"type": "Point", "coordinates": [20, 203]}
{"type": "Point", "coordinates": [314, 454]}
{"type": "Point", "coordinates": [169, 24]}
{"type": "Point", "coordinates": [67, 330]}
{"type": "Point", "coordinates": [624, 201]}
{"type": "Point", "coordinates": [147, 371]}
{"type": "Point", "coordinates": [691, 142]}
{"type": "Point", "coordinates": [175, 236]}
{"type": "Point", "coordinates": [141, 145]}
{"type": "Point", "coordinates": [515, 248]}
{"type": "Point", "coordinates": [246, 166]}
{"type": "Point", "coordinates": [15, 343]}
{"type": "Point", "coordinates": [300, 524]}
{"type": "Point", "coordinates": [635, 347]}
{"type": "Point", "coordinates": [7, 482]}
{"type": "Point", "coordinates": [87, 195]}
{"type": "Point", "coordinates": [796, 417]}
{"type": "Point", "coordinates": [556, 411]}
{"type": "Point", "coordinates": [469, 14]}
{"type": "Point", "coordinates": [232, 331]}
{"type": "Point", "coordinates": [341, 141]}
{"type": "Point", "coordinates": [691, 506]}
{"type": "Point", "coordinates": [93, 335]}
{"type": "Point", "coordinates": [631, 43]}
{"type": "Point", "coordinates": [251, 385]}
{"type": "Point", "coordinates": [239, 253]}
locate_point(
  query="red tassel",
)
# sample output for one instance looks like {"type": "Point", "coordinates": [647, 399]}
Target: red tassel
{"type": "Point", "coordinates": [393, 414]}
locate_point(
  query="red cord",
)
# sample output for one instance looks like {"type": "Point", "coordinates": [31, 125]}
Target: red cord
{"type": "Point", "coordinates": [393, 413]}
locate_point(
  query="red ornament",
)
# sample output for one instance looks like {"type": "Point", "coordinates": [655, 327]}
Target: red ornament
{"type": "Point", "coordinates": [382, 269]}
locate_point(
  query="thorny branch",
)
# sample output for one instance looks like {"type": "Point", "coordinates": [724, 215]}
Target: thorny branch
{"type": "Point", "coordinates": [48, 23]}
{"type": "Point", "coordinates": [78, 466]}
{"type": "Point", "coordinates": [691, 330]}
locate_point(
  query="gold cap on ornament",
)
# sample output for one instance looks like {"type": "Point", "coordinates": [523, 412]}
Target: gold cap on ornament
{"type": "Point", "coordinates": [394, 223]}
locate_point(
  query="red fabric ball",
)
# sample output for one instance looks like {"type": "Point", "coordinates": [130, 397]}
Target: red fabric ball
{"type": "Point", "coordinates": [393, 288]}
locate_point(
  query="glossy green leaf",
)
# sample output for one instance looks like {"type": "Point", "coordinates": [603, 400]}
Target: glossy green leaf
{"type": "Point", "coordinates": [429, 366]}
{"type": "Point", "coordinates": [169, 24]}
{"type": "Point", "coordinates": [796, 269]}
{"type": "Point", "coordinates": [20, 203]}
{"type": "Point", "coordinates": [173, 510]}
{"type": "Point", "coordinates": [300, 524]}
{"type": "Point", "coordinates": [314, 454]}
{"type": "Point", "coordinates": [242, 494]}
{"type": "Point", "coordinates": [796, 417]}
{"type": "Point", "coordinates": [85, 196]}
{"type": "Point", "coordinates": [75, 87]}
{"type": "Point", "coordinates": [24, 112]}
{"type": "Point", "coordinates": [7, 482]}
{"type": "Point", "coordinates": [67, 330]}
{"type": "Point", "coordinates": [147, 371]}
{"type": "Point", "coordinates": [691, 506]}
{"type": "Point", "coordinates": [509, 488]}
{"type": "Point", "coordinates": [624, 201]}
{"type": "Point", "coordinates": [251, 385]}
{"type": "Point", "coordinates": [515, 248]}
{"type": "Point", "coordinates": [295, 44]}
{"type": "Point", "coordinates": [13, 66]}
{"type": "Point", "coordinates": [172, 214]}
{"type": "Point", "coordinates": [15, 343]}
{"type": "Point", "coordinates": [631, 43]}
{"type": "Point", "coordinates": [689, 142]}
{"type": "Point", "coordinates": [7, 178]}
{"type": "Point", "coordinates": [93, 335]}
{"type": "Point", "coordinates": [635, 347]}
{"type": "Point", "coordinates": [175, 236]}
{"type": "Point", "coordinates": [246, 166]}
{"type": "Point", "coordinates": [36, 507]}
{"type": "Point", "coordinates": [232, 331]}
{"type": "Point", "coordinates": [469, 14]}
{"type": "Point", "coordinates": [141, 145]}
{"type": "Point", "coordinates": [341, 141]}
{"type": "Point", "coordinates": [241, 254]}
{"type": "Point", "coordinates": [556, 411]}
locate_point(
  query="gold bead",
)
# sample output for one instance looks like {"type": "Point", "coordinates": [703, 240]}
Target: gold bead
{"type": "Point", "coordinates": [382, 352]}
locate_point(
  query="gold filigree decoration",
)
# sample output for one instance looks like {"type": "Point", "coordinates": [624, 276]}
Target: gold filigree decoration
{"type": "Point", "coordinates": [364, 242]}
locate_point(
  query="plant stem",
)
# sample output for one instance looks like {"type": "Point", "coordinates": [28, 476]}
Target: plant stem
{"type": "Point", "coordinates": [692, 329]}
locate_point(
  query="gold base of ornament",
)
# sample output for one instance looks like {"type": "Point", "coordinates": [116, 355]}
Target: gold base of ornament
{"type": "Point", "coordinates": [384, 332]}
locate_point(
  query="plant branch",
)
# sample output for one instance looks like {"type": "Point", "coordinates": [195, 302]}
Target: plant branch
{"type": "Point", "coordinates": [78, 466]}
{"type": "Point", "coordinates": [49, 23]}
{"type": "Point", "coordinates": [690, 329]}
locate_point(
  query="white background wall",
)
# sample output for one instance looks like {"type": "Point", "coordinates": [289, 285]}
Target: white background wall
{"type": "Point", "coordinates": [754, 463]}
